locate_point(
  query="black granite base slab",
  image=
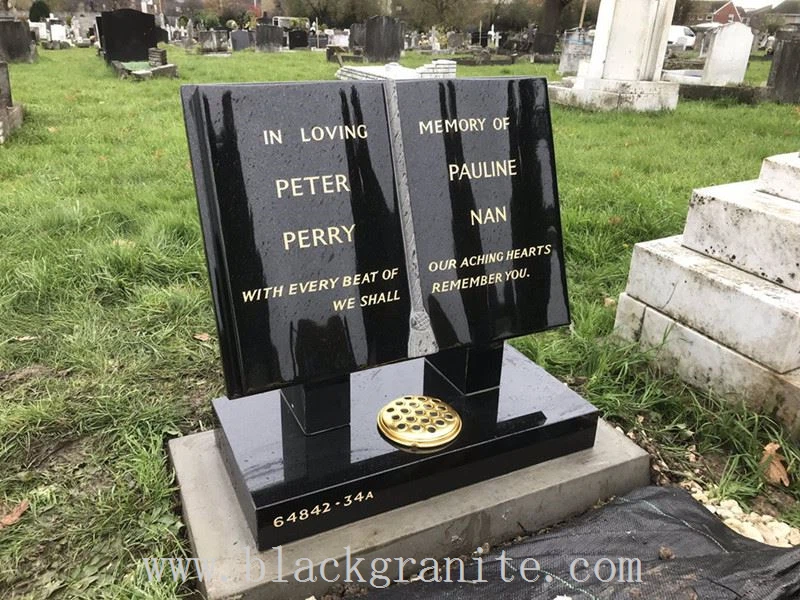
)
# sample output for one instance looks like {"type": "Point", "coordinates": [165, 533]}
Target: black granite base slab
{"type": "Point", "coordinates": [291, 486]}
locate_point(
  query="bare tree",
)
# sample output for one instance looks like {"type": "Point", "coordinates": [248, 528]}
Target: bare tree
{"type": "Point", "coordinates": [547, 34]}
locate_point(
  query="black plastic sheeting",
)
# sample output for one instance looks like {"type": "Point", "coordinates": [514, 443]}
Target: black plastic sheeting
{"type": "Point", "coordinates": [709, 560]}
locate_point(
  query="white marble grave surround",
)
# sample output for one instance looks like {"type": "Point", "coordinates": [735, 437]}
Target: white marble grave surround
{"type": "Point", "coordinates": [721, 304]}
{"type": "Point", "coordinates": [707, 364]}
{"type": "Point", "coordinates": [739, 225]}
{"type": "Point", "coordinates": [780, 175]}
{"type": "Point", "coordinates": [746, 313]}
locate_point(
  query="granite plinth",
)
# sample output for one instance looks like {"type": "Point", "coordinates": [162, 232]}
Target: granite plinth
{"type": "Point", "coordinates": [451, 524]}
{"type": "Point", "coordinates": [290, 485]}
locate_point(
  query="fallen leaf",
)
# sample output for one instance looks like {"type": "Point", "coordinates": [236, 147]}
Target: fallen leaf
{"type": "Point", "coordinates": [609, 302]}
{"type": "Point", "coordinates": [14, 515]}
{"type": "Point", "coordinates": [203, 337]}
{"type": "Point", "coordinates": [666, 553]}
{"type": "Point", "coordinates": [26, 373]}
{"type": "Point", "coordinates": [775, 470]}
{"type": "Point", "coordinates": [25, 338]}
{"type": "Point", "coordinates": [52, 129]}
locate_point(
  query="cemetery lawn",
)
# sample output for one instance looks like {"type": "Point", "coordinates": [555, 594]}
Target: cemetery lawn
{"type": "Point", "coordinates": [107, 338]}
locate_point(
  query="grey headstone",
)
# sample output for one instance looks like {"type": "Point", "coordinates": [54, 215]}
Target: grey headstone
{"type": "Point", "coordinates": [5, 86]}
{"type": "Point", "coordinates": [576, 46]}
{"type": "Point", "coordinates": [269, 38]}
{"type": "Point", "coordinates": [358, 35]}
{"type": "Point", "coordinates": [240, 40]}
{"type": "Point", "coordinates": [15, 41]}
{"type": "Point", "coordinates": [785, 73]}
{"type": "Point", "coordinates": [214, 40]}
{"type": "Point", "coordinates": [456, 40]}
{"type": "Point", "coordinates": [384, 39]}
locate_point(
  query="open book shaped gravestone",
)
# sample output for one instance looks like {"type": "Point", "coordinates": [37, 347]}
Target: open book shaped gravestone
{"type": "Point", "coordinates": [369, 241]}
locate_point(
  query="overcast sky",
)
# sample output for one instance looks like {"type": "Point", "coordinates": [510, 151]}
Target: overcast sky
{"type": "Point", "coordinates": [756, 3]}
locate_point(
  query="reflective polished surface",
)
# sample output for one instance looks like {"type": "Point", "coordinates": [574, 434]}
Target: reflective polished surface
{"type": "Point", "coordinates": [349, 473]}
{"type": "Point", "coordinates": [296, 193]}
{"type": "Point", "coordinates": [475, 221]}
{"type": "Point", "coordinates": [297, 186]}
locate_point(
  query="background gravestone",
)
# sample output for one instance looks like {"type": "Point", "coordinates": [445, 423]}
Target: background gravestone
{"type": "Point", "coordinates": [784, 75]}
{"type": "Point", "coordinates": [127, 35]}
{"type": "Point", "coordinates": [269, 38]}
{"type": "Point", "coordinates": [384, 39]}
{"type": "Point", "coordinates": [213, 40]}
{"type": "Point", "coordinates": [358, 35]}
{"type": "Point", "coordinates": [728, 55]}
{"type": "Point", "coordinates": [240, 40]}
{"type": "Point", "coordinates": [298, 38]}
{"type": "Point", "coordinates": [15, 42]}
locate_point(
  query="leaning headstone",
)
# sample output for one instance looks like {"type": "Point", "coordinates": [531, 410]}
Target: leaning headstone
{"type": "Point", "coordinates": [10, 113]}
{"type": "Point", "coordinates": [728, 55]}
{"type": "Point", "coordinates": [358, 35]}
{"type": "Point", "coordinates": [384, 39]}
{"type": "Point", "coordinates": [127, 35]}
{"type": "Point", "coordinates": [15, 42]}
{"type": "Point", "coordinates": [269, 38]}
{"type": "Point", "coordinates": [240, 40]}
{"type": "Point", "coordinates": [784, 76]}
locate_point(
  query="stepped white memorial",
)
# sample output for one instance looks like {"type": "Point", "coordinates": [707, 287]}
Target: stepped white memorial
{"type": "Point", "coordinates": [721, 303]}
{"type": "Point", "coordinates": [627, 60]}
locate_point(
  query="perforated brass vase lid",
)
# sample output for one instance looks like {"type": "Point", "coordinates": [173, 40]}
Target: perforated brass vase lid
{"type": "Point", "coordinates": [419, 422]}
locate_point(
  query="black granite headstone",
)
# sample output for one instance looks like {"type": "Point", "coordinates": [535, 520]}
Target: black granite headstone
{"type": "Point", "coordinates": [383, 39]}
{"type": "Point", "coordinates": [298, 38]}
{"type": "Point", "coordinates": [15, 41]}
{"type": "Point", "coordinates": [784, 75]}
{"type": "Point", "coordinates": [240, 40]}
{"type": "Point", "coordinates": [269, 38]}
{"type": "Point", "coordinates": [128, 34]}
{"type": "Point", "coordinates": [306, 204]}
{"type": "Point", "coordinates": [355, 225]}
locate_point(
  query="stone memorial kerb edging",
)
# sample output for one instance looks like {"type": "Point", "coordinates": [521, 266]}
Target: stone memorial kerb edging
{"type": "Point", "coordinates": [370, 244]}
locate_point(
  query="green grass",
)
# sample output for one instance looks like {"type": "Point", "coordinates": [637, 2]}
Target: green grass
{"type": "Point", "coordinates": [103, 286]}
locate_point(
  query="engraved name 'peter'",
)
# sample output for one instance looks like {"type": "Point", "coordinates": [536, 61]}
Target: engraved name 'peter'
{"type": "Point", "coordinates": [312, 185]}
